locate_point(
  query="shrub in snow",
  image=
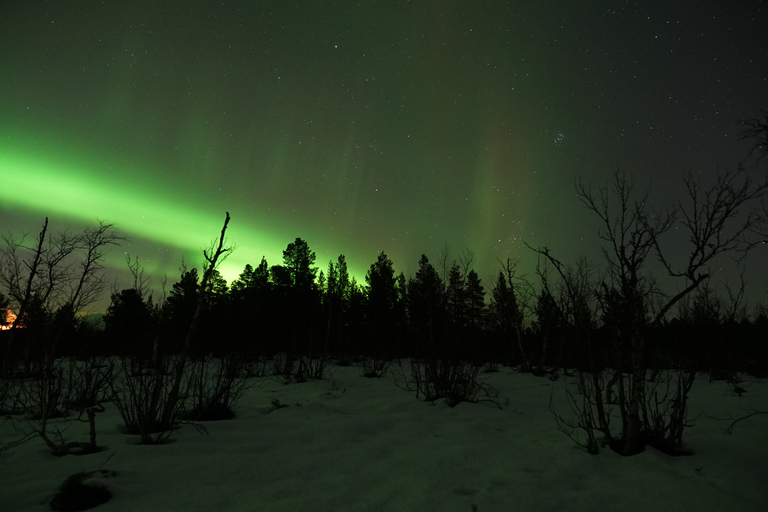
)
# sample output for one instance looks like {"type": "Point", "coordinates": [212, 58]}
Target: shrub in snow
{"type": "Point", "coordinates": [22, 435]}
{"type": "Point", "coordinates": [665, 411]}
{"type": "Point", "coordinates": [41, 395]}
{"type": "Point", "coordinates": [310, 367]}
{"type": "Point", "coordinates": [593, 396]}
{"type": "Point", "coordinates": [374, 367]}
{"type": "Point", "coordinates": [344, 360]}
{"type": "Point", "coordinates": [216, 385]}
{"type": "Point", "coordinates": [736, 385]}
{"type": "Point", "coordinates": [78, 493]}
{"type": "Point", "coordinates": [282, 364]}
{"type": "Point", "coordinates": [87, 387]}
{"type": "Point", "coordinates": [456, 381]}
{"type": "Point", "coordinates": [51, 394]}
{"type": "Point", "coordinates": [56, 388]}
{"type": "Point", "coordinates": [299, 368]}
{"type": "Point", "coordinates": [276, 404]}
{"type": "Point", "coordinates": [258, 367]}
{"type": "Point", "coordinates": [146, 402]}
{"type": "Point", "coordinates": [591, 413]}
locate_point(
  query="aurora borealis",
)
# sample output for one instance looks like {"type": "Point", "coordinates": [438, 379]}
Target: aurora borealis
{"type": "Point", "coordinates": [359, 127]}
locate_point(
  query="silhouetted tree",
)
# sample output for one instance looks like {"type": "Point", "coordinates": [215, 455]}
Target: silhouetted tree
{"type": "Point", "coordinates": [455, 297]}
{"type": "Point", "coordinates": [255, 314]}
{"type": "Point", "coordinates": [356, 316]}
{"type": "Point", "coordinates": [214, 255]}
{"type": "Point", "coordinates": [382, 307]}
{"type": "Point", "coordinates": [336, 294]}
{"type": "Point", "coordinates": [506, 317]}
{"type": "Point", "coordinates": [475, 302]}
{"type": "Point", "coordinates": [715, 224]}
{"type": "Point", "coordinates": [476, 339]}
{"type": "Point", "coordinates": [756, 129]}
{"type": "Point", "coordinates": [244, 281]}
{"type": "Point", "coordinates": [48, 283]}
{"type": "Point", "coordinates": [426, 308]}
{"type": "Point", "coordinates": [179, 308]}
{"type": "Point", "coordinates": [295, 287]}
{"type": "Point", "coordinates": [130, 324]}
{"type": "Point", "coordinates": [298, 259]}
{"type": "Point", "coordinates": [4, 304]}
{"type": "Point", "coordinates": [549, 325]}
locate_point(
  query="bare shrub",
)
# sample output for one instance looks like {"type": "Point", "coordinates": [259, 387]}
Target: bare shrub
{"type": "Point", "coordinates": [87, 387]}
{"type": "Point", "coordinates": [593, 396]}
{"type": "Point", "coordinates": [590, 417]}
{"type": "Point", "coordinates": [456, 381]}
{"type": "Point", "coordinates": [311, 368]}
{"type": "Point", "coordinates": [282, 364]}
{"type": "Point", "coordinates": [76, 493]}
{"type": "Point", "coordinates": [255, 368]}
{"type": "Point", "coordinates": [299, 368]}
{"type": "Point", "coordinates": [22, 434]}
{"type": "Point", "coordinates": [374, 367]}
{"type": "Point", "coordinates": [216, 385]}
{"type": "Point", "coordinates": [665, 411]}
{"type": "Point", "coordinates": [68, 385]}
{"type": "Point", "coordinates": [41, 401]}
{"type": "Point", "coordinates": [146, 401]}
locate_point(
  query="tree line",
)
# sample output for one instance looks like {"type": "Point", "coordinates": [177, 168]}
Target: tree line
{"type": "Point", "coordinates": [296, 308]}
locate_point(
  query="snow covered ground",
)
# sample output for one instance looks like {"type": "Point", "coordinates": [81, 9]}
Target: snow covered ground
{"type": "Point", "coordinates": [355, 444]}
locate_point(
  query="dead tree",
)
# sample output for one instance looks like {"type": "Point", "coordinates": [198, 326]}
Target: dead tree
{"type": "Point", "coordinates": [212, 258]}
{"type": "Point", "coordinates": [756, 129]}
{"type": "Point", "coordinates": [718, 219]}
{"type": "Point", "coordinates": [19, 289]}
{"type": "Point", "coordinates": [631, 232]}
{"type": "Point", "coordinates": [51, 281]}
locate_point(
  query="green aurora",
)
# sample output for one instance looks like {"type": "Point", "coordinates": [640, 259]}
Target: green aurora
{"type": "Point", "coordinates": [394, 126]}
{"type": "Point", "coordinates": [66, 190]}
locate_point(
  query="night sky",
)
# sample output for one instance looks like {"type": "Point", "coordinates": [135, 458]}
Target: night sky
{"type": "Point", "coordinates": [393, 125]}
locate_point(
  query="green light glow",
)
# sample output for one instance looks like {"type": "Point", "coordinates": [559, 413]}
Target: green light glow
{"type": "Point", "coordinates": [392, 126]}
{"type": "Point", "coordinates": [140, 208]}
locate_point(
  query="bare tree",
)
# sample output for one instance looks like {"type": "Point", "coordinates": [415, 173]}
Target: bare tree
{"type": "Point", "coordinates": [19, 289]}
{"type": "Point", "coordinates": [213, 256]}
{"type": "Point", "coordinates": [718, 219]}
{"type": "Point", "coordinates": [756, 129]}
{"type": "Point", "coordinates": [52, 280]}
{"type": "Point", "coordinates": [153, 405]}
{"type": "Point", "coordinates": [510, 305]}
{"type": "Point", "coordinates": [631, 232]}
{"type": "Point", "coordinates": [466, 262]}
{"type": "Point", "coordinates": [49, 282]}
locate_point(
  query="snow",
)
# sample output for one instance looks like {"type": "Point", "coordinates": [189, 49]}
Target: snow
{"type": "Point", "coordinates": [350, 443]}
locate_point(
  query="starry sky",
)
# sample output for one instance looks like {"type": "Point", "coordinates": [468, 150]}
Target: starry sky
{"type": "Point", "coordinates": [400, 126]}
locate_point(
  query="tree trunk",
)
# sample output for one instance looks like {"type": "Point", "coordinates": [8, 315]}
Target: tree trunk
{"type": "Point", "coordinates": [633, 432]}
{"type": "Point", "coordinates": [524, 366]}
{"type": "Point", "coordinates": [173, 397]}
{"type": "Point", "coordinates": [33, 269]}
{"type": "Point", "coordinates": [602, 417]}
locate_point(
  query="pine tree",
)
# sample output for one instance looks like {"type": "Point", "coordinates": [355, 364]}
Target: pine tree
{"type": "Point", "coordinates": [382, 305]}
{"type": "Point", "coordinates": [475, 299]}
{"type": "Point", "coordinates": [298, 259]}
{"type": "Point", "coordinates": [507, 318]}
{"type": "Point", "coordinates": [426, 306]}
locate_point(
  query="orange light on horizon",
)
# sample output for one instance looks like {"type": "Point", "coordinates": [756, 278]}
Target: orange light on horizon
{"type": "Point", "coordinates": [10, 317]}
